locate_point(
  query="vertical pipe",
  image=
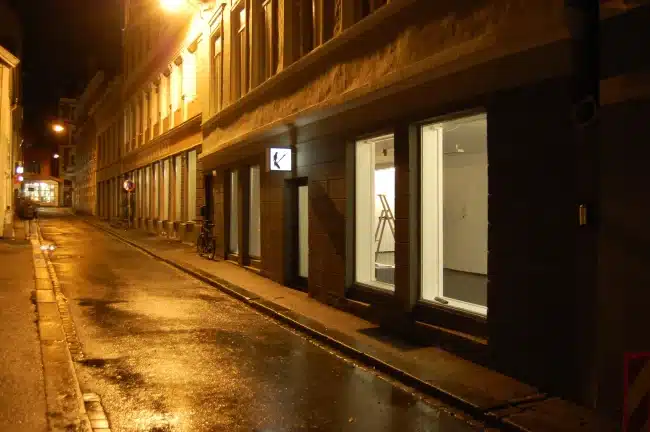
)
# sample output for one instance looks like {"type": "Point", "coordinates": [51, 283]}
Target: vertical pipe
{"type": "Point", "coordinates": [583, 21]}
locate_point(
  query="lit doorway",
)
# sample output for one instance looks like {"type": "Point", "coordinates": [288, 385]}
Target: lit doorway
{"type": "Point", "coordinates": [298, 231]}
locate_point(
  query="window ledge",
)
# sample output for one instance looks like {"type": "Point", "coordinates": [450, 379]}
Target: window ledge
{"type": "Point", "coordinates": [318, 55]}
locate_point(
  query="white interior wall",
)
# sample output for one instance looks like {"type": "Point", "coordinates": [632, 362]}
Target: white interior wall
{"type": "Point", "coordinates": [465, 212]}
{"type": "Point", "coordinates": [385, 184]}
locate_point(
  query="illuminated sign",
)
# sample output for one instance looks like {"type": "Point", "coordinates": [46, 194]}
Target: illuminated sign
{"type": "Point", "coordinates": [279, 159]}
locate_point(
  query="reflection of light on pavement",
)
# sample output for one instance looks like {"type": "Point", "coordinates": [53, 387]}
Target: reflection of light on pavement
{"type": "Point", "coordinates": [150, 420]}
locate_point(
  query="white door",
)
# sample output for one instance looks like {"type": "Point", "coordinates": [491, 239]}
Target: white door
{"type": "Point", "coordinates": [303, 231]}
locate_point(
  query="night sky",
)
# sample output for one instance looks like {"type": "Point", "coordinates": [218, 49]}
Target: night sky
{"type": "Point", "coordinates": [65, 43]}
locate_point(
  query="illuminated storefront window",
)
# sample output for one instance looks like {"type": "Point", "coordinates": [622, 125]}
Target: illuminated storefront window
{"type": "Point", "coordinates": [42, 192]}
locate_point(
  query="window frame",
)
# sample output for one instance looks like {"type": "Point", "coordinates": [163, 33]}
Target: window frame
{"type": "Point", "coordinates": [216, 89]}
{"type": "Point", "coordinates": [240, 65]}
{"type": "Point", "coordinates": [446, 303]}
{"type": "Point", "coordinates": [373, 287]}
{"type": "Point", "coordinates": [253, 258]}
{"type": "Point", "coordinates": [233, 214]}
{"type": "Point", "coordinates": [269, 38]}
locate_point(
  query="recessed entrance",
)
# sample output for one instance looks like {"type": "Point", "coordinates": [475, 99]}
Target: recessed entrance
{"type": "Point", "coordinates": [299, 233]}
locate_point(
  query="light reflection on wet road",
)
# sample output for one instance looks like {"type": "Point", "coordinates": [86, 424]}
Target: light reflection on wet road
{"type": "Point", "coordinates": [168, 353]}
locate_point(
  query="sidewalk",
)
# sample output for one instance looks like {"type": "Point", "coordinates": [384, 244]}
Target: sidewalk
{"type": "Point", "coordinates": [488, 395]}
{"type": "Point", "coordinates": [22, 388]}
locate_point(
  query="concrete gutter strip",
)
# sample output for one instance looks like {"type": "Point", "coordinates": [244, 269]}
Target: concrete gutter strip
{"type": "Point", "coordinates": [535, 413]}
{"type": "Point", "coordinates": [63, 393]}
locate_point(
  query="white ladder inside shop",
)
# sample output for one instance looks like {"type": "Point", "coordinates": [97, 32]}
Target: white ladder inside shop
{"type": "Point", "coordinates": [385, 217]}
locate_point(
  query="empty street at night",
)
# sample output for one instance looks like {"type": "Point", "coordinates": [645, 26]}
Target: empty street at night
{"type": "Point", "coordinates": [324, 215]}
{"type": "Point", "coordinates": [168, 352]}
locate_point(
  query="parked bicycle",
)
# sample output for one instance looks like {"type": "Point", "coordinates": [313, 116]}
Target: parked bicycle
{"type": "Point", "coordinates": [205, 242]}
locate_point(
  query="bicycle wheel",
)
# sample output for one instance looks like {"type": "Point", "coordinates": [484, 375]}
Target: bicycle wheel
{"type": "Point", "coordinates": [212, 245]}
{"type": "Point", "coordinates": [199, 244]}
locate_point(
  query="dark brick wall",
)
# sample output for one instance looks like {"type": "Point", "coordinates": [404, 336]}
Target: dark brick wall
{"type": "Point", "coordinates": [322, 161]}
{"type": "Point", "coordinates": [200, 187]}
{"type": "Point", "coordinates": [532, 228]}
{"type": "Point", "coordinates": [218, 215]}
{"type": "Point", "coordinates": [624, 236]}
{"type": "Point", "coordinates": [272, 190]}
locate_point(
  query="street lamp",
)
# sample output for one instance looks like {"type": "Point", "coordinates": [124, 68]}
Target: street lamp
{"type": "Point", "coordinates": [58, 128]}
{"type": "Point", "coordinates": [56, 156]}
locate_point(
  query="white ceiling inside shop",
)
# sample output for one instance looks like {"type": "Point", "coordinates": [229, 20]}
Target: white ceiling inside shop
{"type": "Point", "coordinates": [468, 136]}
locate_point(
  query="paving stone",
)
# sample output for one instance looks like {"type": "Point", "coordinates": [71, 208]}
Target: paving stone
{"type": "Point", "coordinates": [91, 397]}
{"type": "Point", "coordinates": [99, 424]}
{"type": "Point", "coordinates": [50, 331]}
{"type": "Point", "coordinates": [48, 312]}
{"type": "Point", "coordinates": [96, 415]}
{"type": "Point", "coordinates": [43, 284]}
{"type": "Point", "coordinates": [45, 296]}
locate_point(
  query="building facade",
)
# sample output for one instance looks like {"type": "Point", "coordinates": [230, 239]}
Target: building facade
{"type": "Point", "coordinates": [86, 141]}
{"type": "Point", "coordinates": [156, 138]}
{"type": "Point", "coordinates": [402, 161]}
{"type": "Point", "coordinates": [65, 163]}
{"type": "Point", "coordinates": [419, 165]}
{"type": "Point", "coordinates": [39, 182]}
{"type": "Point", "coordinates": [9, 137]}
{"type": "Point", "coordinates": [11, 113]}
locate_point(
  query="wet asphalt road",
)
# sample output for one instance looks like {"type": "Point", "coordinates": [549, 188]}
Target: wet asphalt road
{"type": "Point", "coordinates": [166, 352]}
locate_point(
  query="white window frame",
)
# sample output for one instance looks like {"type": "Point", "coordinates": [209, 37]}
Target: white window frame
{"type": "Point", "coordinates": [191, 184]}
{"type": "Point", "coordinates": [178, 194]}
{"type": "Point", "coordinates": [365, 203]}
{"type": "Point", "coordinates": [254, 213]}
{"type": "Point", "coordinates": [432, 233]}
{"type": "Point", "coordinates": [166, 176]}
{"type": "Point", "coordinates": [233, 216]}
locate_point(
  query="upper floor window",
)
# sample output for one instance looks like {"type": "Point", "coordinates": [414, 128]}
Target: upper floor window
{"type": "Point", "coordinates": [269, 34]}
{"type": "Point", "coordinates": [163, 96]}
{"type": "Point", "coordinates": [240, 51]}
{"type": "Point", "coordinates": [154, 101]}
{"type": "Point", "coordinates": [306, 19]}
{"type": "Point", "coordinates": [189, 76]}
{"type": "Point", "coordinates": [138, 113]}
{"type": "Point", "coordinates": [217, 72]}
{"type": "Point", "coordinates": [366, 7]}
{"type": "Point", "coordinates": [176, 91]}
{"type": "Point", "coordinates": [133, 126]}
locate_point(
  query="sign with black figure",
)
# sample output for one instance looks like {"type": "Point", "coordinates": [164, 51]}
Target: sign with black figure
{"type": "Point", "coordinates": [279, 159]}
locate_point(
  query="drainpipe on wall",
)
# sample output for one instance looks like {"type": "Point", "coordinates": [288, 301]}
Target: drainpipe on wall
{"type": "Point", "coordinates": [583, 21]}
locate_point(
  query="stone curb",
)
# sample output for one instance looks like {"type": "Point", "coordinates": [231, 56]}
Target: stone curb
{"type": "Point", "coordinates": [58, 367]}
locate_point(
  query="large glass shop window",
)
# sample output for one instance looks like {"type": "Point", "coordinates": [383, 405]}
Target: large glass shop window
{"type": "Point", "coordinates": [375, 212]}
{"type": "Point", "coordinates": [454, 218]}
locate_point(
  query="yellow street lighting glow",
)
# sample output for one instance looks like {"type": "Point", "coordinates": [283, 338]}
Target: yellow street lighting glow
{"type": "Point", "coordinates": [172, 5]}
{"type": "Point", "coordinates": [58, 128]}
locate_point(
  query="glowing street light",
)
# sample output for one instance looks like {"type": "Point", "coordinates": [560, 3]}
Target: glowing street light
{"type": "Point", "coordinates": [56, 155]}
{"type": "Point", "coordinates": [172, 5]}
{"type": "Point", "coordinates": [20, 169]}
{"type": "Point", "coordinates": [58, 128]}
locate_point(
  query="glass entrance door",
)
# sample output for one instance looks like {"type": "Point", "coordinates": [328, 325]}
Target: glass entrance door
{"type": "Point", "coordinates": [303, 231]}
